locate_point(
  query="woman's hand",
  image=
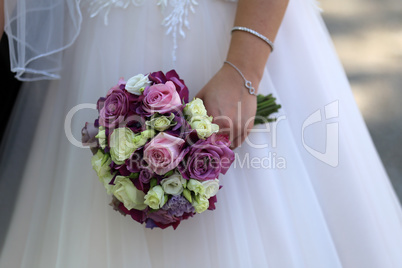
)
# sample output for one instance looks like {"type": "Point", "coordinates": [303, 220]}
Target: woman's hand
{"type": "Point", "coordinates": [225, 96]}
{"type": "Point", "coordinates": [229, 102]}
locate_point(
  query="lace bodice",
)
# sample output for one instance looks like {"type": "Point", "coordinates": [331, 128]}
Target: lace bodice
{"type": "Point", "coordinates": [175, 21]}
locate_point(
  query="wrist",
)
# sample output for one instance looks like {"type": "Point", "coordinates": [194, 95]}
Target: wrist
{"type": "Point", "coordinates": [247, 83]}
{"type": "Point", "coordinates": [249, 54]}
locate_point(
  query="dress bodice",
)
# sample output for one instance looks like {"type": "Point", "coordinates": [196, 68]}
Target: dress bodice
{"type": "Point", "coordinates": [176, 13]}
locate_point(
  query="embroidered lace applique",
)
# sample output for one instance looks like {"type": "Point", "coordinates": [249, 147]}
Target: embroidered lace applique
{"type": "Point", "coordinates": [95, 7]}
{"type": "Point", "coordinates": [175, 21]}
{"type": "Point", "coordinates": [177, 18]}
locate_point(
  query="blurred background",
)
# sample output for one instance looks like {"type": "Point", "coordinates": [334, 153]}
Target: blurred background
{"type": "Point", "coordinates": [367, 35]}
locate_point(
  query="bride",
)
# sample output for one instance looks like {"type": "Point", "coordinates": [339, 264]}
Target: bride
{"type": "Point", "coordinates": [306, 191]}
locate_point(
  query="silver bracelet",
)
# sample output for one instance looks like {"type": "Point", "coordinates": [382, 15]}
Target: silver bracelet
{"type": "Point", "coordinates": [247, 83]}
{"type": "Point", "coordinates": [263, 38]}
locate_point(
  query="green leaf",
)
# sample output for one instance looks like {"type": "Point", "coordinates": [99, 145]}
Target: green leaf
{"type": "Point", "coordinates": [166, 199]}
{"type": "Point", "coordinates": [134, 175]}
{"type": "Point", "coordinates": [153, 182]}
{"type": "Point", "coordinates": [168, 174]}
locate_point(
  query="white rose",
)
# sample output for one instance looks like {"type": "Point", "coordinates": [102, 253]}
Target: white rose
{"type": "Point", "coordinates": [135, 83]}
{"type": "Point", "coordinates": [204, 126]}
{"type": "Point", "coordinates": [174, 184]}
{"type": "Point", "coordinates": [195, 108]}
{"type": "Point", "coordinates": [125, 191]}
{"type": "Point", "coordinates": [122, 144]}
{"type": "Point", "coordinates": [211, 187]}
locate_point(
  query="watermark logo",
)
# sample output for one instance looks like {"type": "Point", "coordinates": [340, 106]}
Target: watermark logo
{"type": "Point", "coordinates": [328, 156]}
{"type": "Point", "coordinates": [331, 154]}
{"type": "Point", "coordinates": [270, 161]}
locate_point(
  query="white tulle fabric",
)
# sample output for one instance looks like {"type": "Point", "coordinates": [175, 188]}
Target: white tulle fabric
{"type": "Point", "coordinates": [307, 214]}
{"type": "Point", "coordinates": [37, 55]}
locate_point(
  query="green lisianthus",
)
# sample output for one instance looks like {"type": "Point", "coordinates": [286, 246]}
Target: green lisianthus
{"type": "Point", "coordinates": [161, 122]}
{"type": "Point", "coordinates": [155, 198]}
{"type": "Point", "coordinates": [196, 187]}
{"type": "Point", "coordinates": [200, 203]}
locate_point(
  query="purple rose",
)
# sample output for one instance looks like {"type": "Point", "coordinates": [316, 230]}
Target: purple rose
{"type": "Point", "coordinates": [136, 162]}
{"type": "Point", "coordinates": [144, 177]}
{"type": "Point", "coordinates": [137, 215]}
{"type": "Point", "coordinates": [161, 98]}
{"type": "Point", "coordinates": [136, 122]}
{"type": "Point", "coordinates": [100, 103]}
{"type": "Point", "coordinates": [182, 128]}
{"type": "Point", "coordinates": [121, 169]}
{"type": "Point", "coordinates": [212, 202]}
{"type": "Point", "coordinates": [206, 159]}
{"type": "Point", "coordinates": [115, 107]}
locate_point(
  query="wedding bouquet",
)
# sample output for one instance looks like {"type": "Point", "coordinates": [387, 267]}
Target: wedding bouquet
{"type": "Point", "coordinates": [158, 154]}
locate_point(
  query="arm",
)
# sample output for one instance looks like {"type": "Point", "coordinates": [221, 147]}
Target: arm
{"type": "Point", "coordinates": [225, 96]}
{"type": "Point", "coordinates": [1, 17]}
{"type": "Point", "coordinates": [248, 52]}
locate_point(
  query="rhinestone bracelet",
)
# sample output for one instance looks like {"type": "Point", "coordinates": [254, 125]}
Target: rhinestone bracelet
{"type": "Point", "coordinates": [247, 83]}
{"type": "Point", "coordinates": [263, 38]}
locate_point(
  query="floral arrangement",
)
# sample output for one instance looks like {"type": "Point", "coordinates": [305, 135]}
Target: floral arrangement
{"type": "Point", "coordinates": [155, 152]}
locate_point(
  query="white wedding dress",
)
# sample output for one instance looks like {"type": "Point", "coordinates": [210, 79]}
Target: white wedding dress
{"type": "Point", "coordinates": [316, 196]}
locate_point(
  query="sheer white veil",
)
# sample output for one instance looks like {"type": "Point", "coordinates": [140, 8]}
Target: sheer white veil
{"type": "Point", "coordinates": [38, 32]}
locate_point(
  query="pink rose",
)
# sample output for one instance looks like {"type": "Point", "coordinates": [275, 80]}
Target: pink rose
{"type": "Point", "coordinates": [161, 98]}
{"type": "Point", "coordinates": [163, 153]}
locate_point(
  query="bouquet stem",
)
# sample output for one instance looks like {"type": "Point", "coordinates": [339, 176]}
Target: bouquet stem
{"type": "Point", "coordinates": [266, 106]}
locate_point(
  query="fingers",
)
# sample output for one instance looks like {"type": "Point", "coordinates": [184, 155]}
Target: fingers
{"type": "Point", "coordinates": [236, 143]}
{"type": "Point", "coordinates": [237, 140]}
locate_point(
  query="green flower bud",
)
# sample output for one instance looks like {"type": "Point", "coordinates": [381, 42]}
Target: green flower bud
{"type": "Point", "coordinates": [187, 195]}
